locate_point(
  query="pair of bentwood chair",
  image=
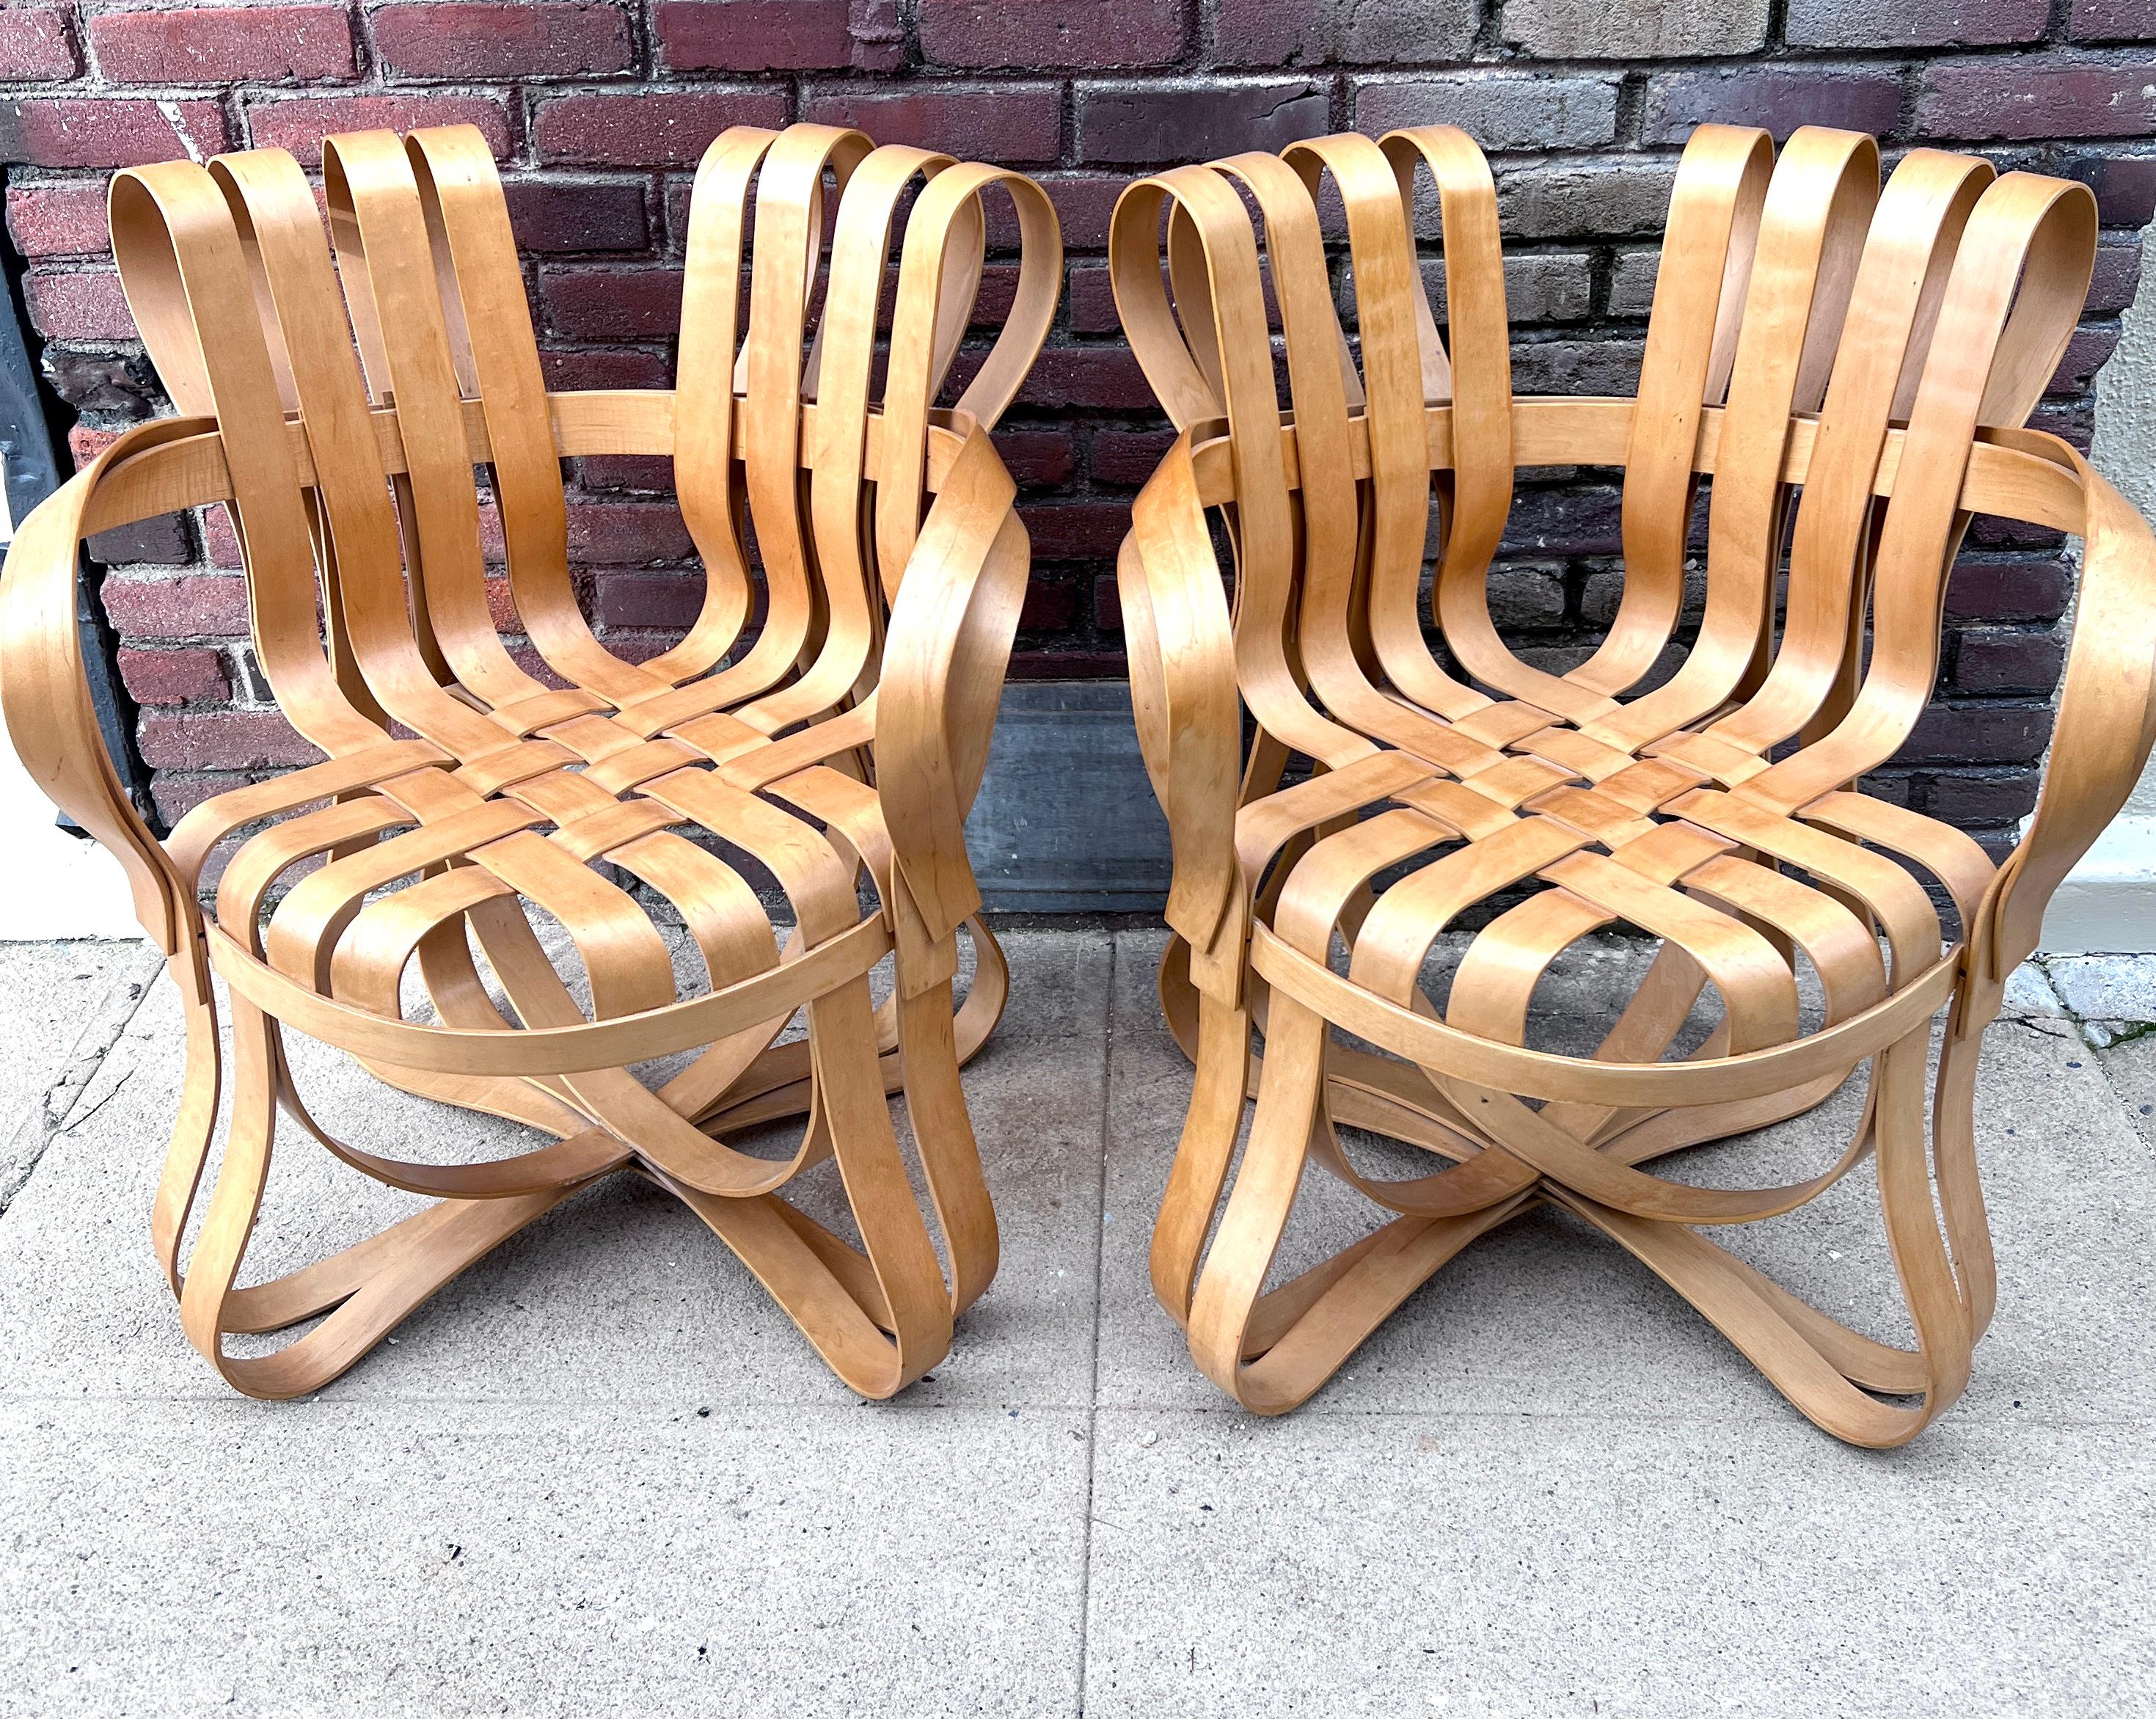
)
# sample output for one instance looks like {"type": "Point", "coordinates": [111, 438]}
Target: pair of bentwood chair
{"type": "Point", "coordinates": [1850, 366]}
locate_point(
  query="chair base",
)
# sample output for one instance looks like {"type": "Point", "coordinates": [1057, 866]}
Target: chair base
{"type": "Point", "coordinates": [880, 1313]}
{"type": "Point", "coordinates": [1273, 1348]}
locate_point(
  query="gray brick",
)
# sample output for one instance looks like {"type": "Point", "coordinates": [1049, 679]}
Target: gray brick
{"type": "Point", "coordinates": [1598, 199]}
{"type": "Point", "coordinates": [1914, 23]}
{"type": "Point", "coordinates": [1595, 29]}
{"type": "Point", "coordinates": [1632, 283]}
{"type": "Point", "coordinates": [1499, 111]}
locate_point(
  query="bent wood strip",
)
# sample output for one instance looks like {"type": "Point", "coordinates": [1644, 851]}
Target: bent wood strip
{"type": "Point", "coordinates": [340, 389]}
{"type": "Point", "coordinates": [1851, 365]}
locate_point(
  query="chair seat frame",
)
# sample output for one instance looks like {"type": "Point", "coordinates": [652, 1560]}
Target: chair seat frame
{"type": "Point", "coordinates": [1848, 369]}
{"type": "Point", "coordinates": [823, 725]}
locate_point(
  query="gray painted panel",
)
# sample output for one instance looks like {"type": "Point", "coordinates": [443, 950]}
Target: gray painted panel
{"type": "Point", "coordinates": [1066, 821]}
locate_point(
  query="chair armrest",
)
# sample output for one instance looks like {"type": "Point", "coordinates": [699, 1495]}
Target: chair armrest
{"type": "Point", "coordinates": [2106, 718]}
{"type": "Point", "coordinates": [945, 656]}
{"type": "Point", "coordinates": [44, 691]}
{"type": "Point", "coordinates": [1183, 695]}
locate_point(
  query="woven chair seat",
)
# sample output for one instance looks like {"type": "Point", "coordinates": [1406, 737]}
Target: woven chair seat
{"type": "Point", "coordinates": [472, 893]}
{"type": "Point", "coordinates": [1845, 369]}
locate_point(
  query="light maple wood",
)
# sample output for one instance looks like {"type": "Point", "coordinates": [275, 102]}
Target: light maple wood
{"type": "Point", "coordinates": [824, 723]}
{"type": "Point", "coordinates": [1851, 365]}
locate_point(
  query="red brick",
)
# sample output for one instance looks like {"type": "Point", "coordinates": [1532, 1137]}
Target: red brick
{"type": "Point", "coordinates": [1127, 456]}
{"type": "Point", "coordinates": [669, 128]}
{"type": "Point", "coordinates": [625, 471]}
{"type": "Point", "coordinates": [573, 371]}
{"type": "Point", "coordinates": [178, 795]}
{"type": "Point", "coordinates": [58, 220]}
{"type": "Point", "coordinates": [665, 601]}
{"type": "Point", "coordinates": [1065, 664]}
{"type": "Point", "coordinates": [86, 305]}
{"type": "Point", "coordinates": [753, 35]}
{"type": "Point", "coordinates": [35, 46]}
{"type": "Point", "coordinates": [2117, 275]}
{"type": "Point", "coordinates": [612, 303]}
{"type": "Point", "coordinates": [1037, 458]}
{"type": "Point", "coordinates": [1914, 23]}
{"type": "Point", "coordinates": [174, 677]}
{"type": "Point", "coordinates": [1049, 608]}
{"type": "Point", "coordinates": [1091, 300]}
{"type": "Point", "coordinates": [460, 40]}
{"type": "Point", "coordinates": [199, 607]}
{"type": "Point", "coordinates": [2052, 97]}
{"type": "Point", "coordinates": [2085, 354]}
{"type": "Point", "coordinates": [222, 740]}
{"type": "Point", "coordinates": [85, 443]}
{"type": "Point", "coordinates": [89, 132]}
{"type": "Point", "coordinates": [1778, 99]}
{"type": "Point", "coordinates": [1107, 605]}
{"type": "Point", "coordinates": [628, 533]}
{"type": "Point", "coordinates": [216, 44]}
{"type": "Point", "coordinates": [1105, 376]}
{"type": "Point", "coordinates": [1052, 34]}
{"type": "Point", "coordinates": [1010, 124]}
{"type": "Point", "coordinates": [1143, 125]}
{"type": "Point", "coordinates": [299, 123]}
{"type": "Point", "coordinates": [553, 215]}
{"type": "Point", "coordinates": [2112, 21]}
{"type": "Point", "coordinates": [2008, 588]}
{"type": "Point", "coordinates": [220, 542]}
{"type": "Point", "coordinates": [1083, 203]}
{"type": "Point", "coordinates": [1076, 530]}
{"type": "Point", "coordinates": [2125, 186]}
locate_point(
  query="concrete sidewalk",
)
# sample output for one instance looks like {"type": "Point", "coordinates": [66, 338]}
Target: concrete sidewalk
{"type": "Point", "coordinates": [600, 1473]}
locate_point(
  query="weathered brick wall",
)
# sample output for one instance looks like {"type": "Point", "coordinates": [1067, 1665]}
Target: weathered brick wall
{"type": "Point", "coordinates": [599, 111]}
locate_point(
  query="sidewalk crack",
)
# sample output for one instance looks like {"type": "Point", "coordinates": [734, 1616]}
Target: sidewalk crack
{"type": "Point", "coordinates": [1100, 1292]}
{"type": "Point", "coordinates": [54, 1111]}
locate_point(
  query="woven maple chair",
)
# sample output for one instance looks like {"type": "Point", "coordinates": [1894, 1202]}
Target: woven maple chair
{"type": "Point", "coordinates": [1852, 367]}
{"type": "Point", "coordinates": [844, 732]}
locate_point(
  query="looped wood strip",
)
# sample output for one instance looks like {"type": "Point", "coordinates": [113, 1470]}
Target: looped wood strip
{"type": "Point", "coordinates": [339, 408]}
{"type": "Point", "coordinates": [1850, 360]}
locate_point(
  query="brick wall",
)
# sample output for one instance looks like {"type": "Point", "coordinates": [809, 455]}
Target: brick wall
{"type": "Point", "coordinates": [599, 111]}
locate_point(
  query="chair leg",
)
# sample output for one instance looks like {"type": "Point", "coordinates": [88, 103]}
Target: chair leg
{"type": "Point", "coordinates": [1271, 1350]}
{"type": "Point", "coordinates": [880, 1315]}
{"type": "Point", "coordinates": [1831, 1374]}
{"type": "Point", "coordinates": [363, 1292]}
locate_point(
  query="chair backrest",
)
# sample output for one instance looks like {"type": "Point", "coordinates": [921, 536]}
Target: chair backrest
{"type": "Point", "coordinates": [354, 396]}
{"type": "Point", "coordinates": [1831, 352]}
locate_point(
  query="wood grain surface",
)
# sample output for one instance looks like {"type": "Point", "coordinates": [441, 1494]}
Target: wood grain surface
{"type": "Point", "coordinates": [823, 725]}
{"type": "Point", "coordinates": [1848, 365]}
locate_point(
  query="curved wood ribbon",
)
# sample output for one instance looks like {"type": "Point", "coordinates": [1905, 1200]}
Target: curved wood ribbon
{"type": "Point", "coordinates": [340, 389]}
{"type": "Point", "coordinates": [1850, 360]}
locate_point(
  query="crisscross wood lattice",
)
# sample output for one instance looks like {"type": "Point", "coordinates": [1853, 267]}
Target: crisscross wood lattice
{"type": "Point", "coordinates": [826, 717]}
{"type": "Point", "coordinates": [1851, 365]}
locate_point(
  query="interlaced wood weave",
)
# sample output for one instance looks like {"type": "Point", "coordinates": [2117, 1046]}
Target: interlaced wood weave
{"type": "Point", "coordinates": [1851, 366]}
{"type": "Point", "coordinates": [827, 717]}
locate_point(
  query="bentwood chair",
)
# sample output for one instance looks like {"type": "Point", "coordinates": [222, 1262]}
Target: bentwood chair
{"type": "Point", "coordinates": [1850, 367]}
{"type": "Point", "coordinates": [827, 717]}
